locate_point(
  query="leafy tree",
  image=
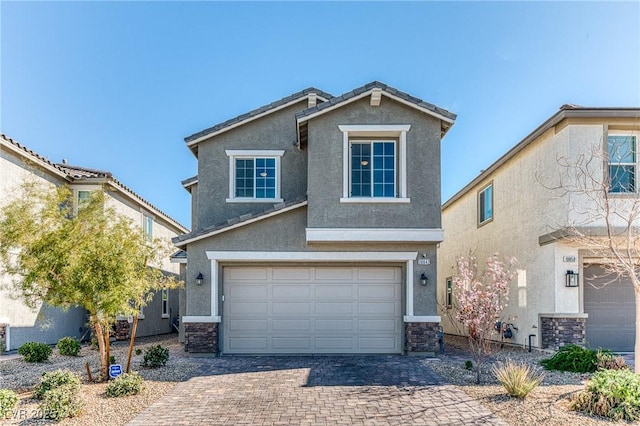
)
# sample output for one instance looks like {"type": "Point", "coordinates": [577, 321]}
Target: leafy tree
{"type": "Point", "coordinates": [87, 255]}
{"type": "Point", "coordinates": [479, 299]}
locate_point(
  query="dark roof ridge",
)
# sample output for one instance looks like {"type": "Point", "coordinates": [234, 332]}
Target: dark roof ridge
{"type": "Point", "coordinates": [96, 172]}
{"type": "Point", "coordinates": [32, 153]}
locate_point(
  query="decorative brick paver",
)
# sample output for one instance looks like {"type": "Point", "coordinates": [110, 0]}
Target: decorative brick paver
{"type": "Point", "coordinates": [331, 390]}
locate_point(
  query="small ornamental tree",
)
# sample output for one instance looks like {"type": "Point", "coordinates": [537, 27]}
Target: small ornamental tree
{"type": "Point", "coordinates": [85, 255]}
{"type": "Point", "coordinates": [480, 298]}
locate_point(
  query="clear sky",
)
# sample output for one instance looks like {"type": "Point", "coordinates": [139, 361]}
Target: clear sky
{"type": "Point", "coordinates": [118, 85]}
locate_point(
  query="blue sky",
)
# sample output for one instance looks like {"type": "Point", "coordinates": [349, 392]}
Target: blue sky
{"type": "Point", "coordinates": [118, 85]}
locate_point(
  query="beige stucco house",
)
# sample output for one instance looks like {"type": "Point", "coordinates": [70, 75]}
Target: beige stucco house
{"type": "Point", "coordinates": [20, 324]}
{"type": "Point", "coordinates": [558, 295]}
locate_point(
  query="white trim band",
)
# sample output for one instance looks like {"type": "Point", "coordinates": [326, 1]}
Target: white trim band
{"type": "Point", "coordinates": [422, 235]}
{"type": "Point", "coordinates": [202, 318]}
{"type": "Point", "coordinates": [322, 256]}
{"type": "Point", "coordinates": [416, 318]}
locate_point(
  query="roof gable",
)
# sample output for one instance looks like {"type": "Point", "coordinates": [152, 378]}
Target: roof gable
{"type": "Point", "coordinates": [193, 140]}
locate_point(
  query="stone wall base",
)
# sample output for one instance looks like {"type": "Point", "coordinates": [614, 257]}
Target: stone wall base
{"type": "Point", "coordinates": [201, 337]}
{"type": "Point", "coordinates": [421, 337]}
{"type": "Point", "coordinates": [3, 337]}
{"type": "Point", "coordinates": [560, 331]}
{"type": "Point", "coordinates": [122, 330]}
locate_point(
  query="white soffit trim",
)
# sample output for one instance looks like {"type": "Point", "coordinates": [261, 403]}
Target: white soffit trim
{"type": "Point", "coordinates": [254, 152]}
{"type": "Point", "coordinates": [305, 256]}
{"type": "Point", "coordinates": [188, 185]}
{"type": "Point", "coordinates": [374, 129]}
{"type": "Point", "coordinates": [239, 224]}
{"type": "Point", "coordinates": [416, 318]}
{"type": "Point", "coordinates": [250, 119]}
{"type": "Point", "coordinates": [178, 260]}
{"type": "Point", "coordinates": [423, 235]}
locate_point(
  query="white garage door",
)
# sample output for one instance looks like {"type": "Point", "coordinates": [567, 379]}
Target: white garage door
{"type": "Point", "coordinates": [610, 303]}
{"type": "Point", "coordinates": [311, 310]}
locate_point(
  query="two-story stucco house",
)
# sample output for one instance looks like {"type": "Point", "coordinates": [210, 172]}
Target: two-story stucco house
{"type": "Point", "coordinates": [20, 324]}
{"type": "Point", "coordinates": [315, 225]}
{"type": "Point", "coordinates": [511, 208]}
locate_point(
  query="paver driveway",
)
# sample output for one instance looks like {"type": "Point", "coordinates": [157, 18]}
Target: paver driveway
{"type": "Point", "coordinates": [332, 390]}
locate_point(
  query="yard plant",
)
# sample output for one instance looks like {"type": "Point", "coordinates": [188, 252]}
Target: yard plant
{"type": "Point", "coordinates": [68, 346]}
{"type": "Point", "coordinates": [155, 356]}
{"type": "Point", "coordinates": [55, 379]}
{"type": "Point", "coordinates": [574, 358]}
{"type": "Point", "coordinates": [8, 401]}
{"type": "Point", "coordinates": [517, 379]}
{"type": "Point", "coordinates": [35, 351]}
{"type": "Point", "coordinates": [611, 393]}
{"type": "Point", "coordinates": [124, 385]}
{"type": "Point", "coordinates": [61, 402]}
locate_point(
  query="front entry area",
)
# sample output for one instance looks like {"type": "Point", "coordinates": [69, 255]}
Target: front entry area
{"type": "Point", "coordinates": [610, 303]}
{"type": "Point", "coordinates": [311, 309]}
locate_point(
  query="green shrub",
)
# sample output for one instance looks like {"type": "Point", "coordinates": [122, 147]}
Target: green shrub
{"type": "Point", "coordinates": [609, 361]}
{"type": "Point", "coordinates": [138, 351]}
{"type": "Point", "coordinates": [155, 356]}
{"type": "Point", "coordinates": [112, 359]}
{"type": "Point", "coordinates": [574, 358]}
{"type": "Point", "coordinates": [35, 351]}
{"type": "Point", "coordinates": [124, 385]}
{"type": "Point", "coordinates": [55, 379]}
{"type": "Point", "coordinates": [61, 402]}
{"type": "Point", "coordinates": [517, 379]}
{"type": "Point", "coordinates": [468, 365]}
{"type": "Point", "coordinates": [611, 393]}
{"type": "Point", "coordinates": [68, 346]}
{"type": "Point", "coordinates": [8, 401]}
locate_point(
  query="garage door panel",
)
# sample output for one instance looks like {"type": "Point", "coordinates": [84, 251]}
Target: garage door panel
{"type": "Point", "coordinates": [291, 291]}
{"type": "Point", "coordinates": [334, 292]}
{"type": "Point", "coordinates": [248, 325]}
{"type": "Point", "coordinates": [335, 325]}
{"type": "Point", "coordinates": [291, 308]}
{"type": "Point", "coordinates": [334, 308]}
{"type": "Point", "coordinates": [312, 310]}
{"type": "Point", "coordinates": [249, 309]}
{"type": "Point", "coordinates": [610, 303]}
{"type": "Point", "coordinates": [295, 324]}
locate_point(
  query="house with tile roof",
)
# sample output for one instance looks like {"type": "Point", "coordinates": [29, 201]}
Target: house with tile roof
{"type": "Point", "coordinates": [563, 292]}
{"type": "Point", "coordinates": [19, 323]}
{"type": "Point", "coordinates": [315, 222]}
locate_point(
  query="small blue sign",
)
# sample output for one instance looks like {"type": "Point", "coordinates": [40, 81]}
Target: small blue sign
{"type": "Point", "coordinates": [115, 370]}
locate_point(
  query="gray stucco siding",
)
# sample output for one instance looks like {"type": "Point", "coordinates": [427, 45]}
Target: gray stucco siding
{"type": "Point", "coordinates": [153, 323]}
{"type": "Point", "coordinates": [326, 176]}
{"type": "Point", "coordinates": [286, 233]}
{"type": "Point", "coordinates": [51, 325]}
{"type": "Point", "coordinates": [276, 131]}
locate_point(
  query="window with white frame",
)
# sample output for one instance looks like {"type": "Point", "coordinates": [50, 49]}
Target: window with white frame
{"type": "Point", "coordinates": [449, 295]}
{"type": "Point", "coordinates": [165, 303]}
{"type": "Point", "coordinates": [485, 204]}
{"type": "Point", "coordinates": [621, 150]}
{"type": "Point", "coordinates": [147, 226]}
{"type": "Point", "coordinates": [254, 176]}
{"type": "Point", "coordinates": [374, 163]}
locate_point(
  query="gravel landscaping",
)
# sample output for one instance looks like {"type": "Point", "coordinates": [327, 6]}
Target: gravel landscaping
{"type": "Point", "coordinates": [98, 409]}
{"type": "Point", "coordinates": [548, 404]}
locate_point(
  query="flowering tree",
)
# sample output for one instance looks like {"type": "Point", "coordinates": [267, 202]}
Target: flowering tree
{"type": "Point", "coordinates": [479, 300]}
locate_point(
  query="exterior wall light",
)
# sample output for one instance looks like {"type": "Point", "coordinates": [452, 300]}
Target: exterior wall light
{"type": "Point", "coordinates": [423, 279]}
{"type": "Point", "coordinates": [571, 279]}
{"type": "Point", "coordinates": [199, 279]}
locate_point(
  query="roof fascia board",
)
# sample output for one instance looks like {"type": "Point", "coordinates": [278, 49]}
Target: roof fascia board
{"type": "Point", "coordinates": [190, 184]}
{"type": "Point", "coordinates": [552, 121]}
{"type": "Point", "coordinates": [121, 189]}
{"type": "Point", "coordinates": [30, 157]}
{"type": "Point", "coordinates": [369, 93]}
{"type": "Point", "coordinates": [180, 244]}
{"type": "Point", "coordinates": [250, 119]}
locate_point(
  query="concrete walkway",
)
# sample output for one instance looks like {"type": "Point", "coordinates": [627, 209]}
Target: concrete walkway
{"type": "Point", "coordinates": [332, 390]}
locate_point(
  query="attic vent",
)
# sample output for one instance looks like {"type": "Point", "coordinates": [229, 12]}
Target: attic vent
{"type": "Point", "coordinates": [313, 100]}
{"type": "Point", "coordinates": [376, 96]}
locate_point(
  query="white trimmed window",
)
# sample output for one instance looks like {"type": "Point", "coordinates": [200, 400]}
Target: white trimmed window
{"type": "Point", "coordinates": [449, 295]}
{"type": "Point", "coordinates": [165, 303]}
{"type": "Point", "coordinates": [374, 163]}
{"type": "Point", "coordinates": [147, 226]}
{"type": "Point", "coordinates": [621, 150]}
{"type": "Point", "coordinates": [254, 176]}
{"type": "Point", "coordinates": [485, 204]}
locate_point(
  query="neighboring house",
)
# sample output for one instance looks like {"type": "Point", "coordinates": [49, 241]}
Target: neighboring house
{"type": "Point", "coordinates": [558, 295]}
{"type": "Point", "coordinates": [20, 324]}
{"type": "Point", "coordinates": [314, 219]}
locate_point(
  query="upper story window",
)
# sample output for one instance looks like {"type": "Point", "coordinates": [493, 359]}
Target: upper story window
{"type": "Point", "coordinates": [374, 164]}
{"type": "Point", "coordinates": [165, 303]}
{"type": "Point", "coordinates": [485, 204]}
{"type": "Point", "coordinates": [147, 227]}
{"type": "Point", "coordinates": [621, 150]}
{"type": "Point", "coordinates": [254, 176]}
{"type": "Point", "coordinates": [449, 295]}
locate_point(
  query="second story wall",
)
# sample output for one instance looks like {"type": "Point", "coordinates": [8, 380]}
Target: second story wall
{"type": "Point", "coordinates": [328, 207]}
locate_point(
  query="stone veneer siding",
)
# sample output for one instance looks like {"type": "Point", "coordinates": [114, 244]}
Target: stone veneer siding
{"type": "Point", "coordinates": [201, 337]}
{"type": "Point", "coordinates": [422, 337]}
{"type": "Point", "coordinates": [559, 331]}
{"type": "Point", "coordinates": [122, 330]}
{"type": "Point", "coordinates": [3, 337]}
